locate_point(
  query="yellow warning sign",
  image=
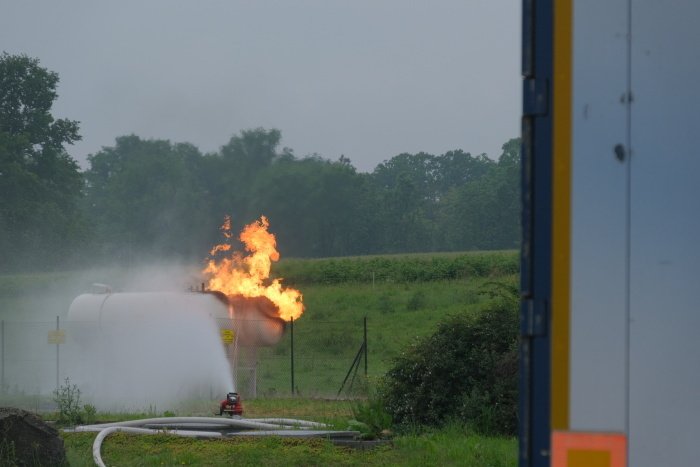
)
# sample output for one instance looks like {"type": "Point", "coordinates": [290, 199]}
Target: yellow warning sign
{"type": "Point", "coordinates": [57, 336]}
{"type": "Point", "coordinates": [227, 336]}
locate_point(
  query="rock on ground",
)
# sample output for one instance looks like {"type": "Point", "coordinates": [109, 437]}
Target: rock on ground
{"type": "Point", "coordinates": [25, 440]}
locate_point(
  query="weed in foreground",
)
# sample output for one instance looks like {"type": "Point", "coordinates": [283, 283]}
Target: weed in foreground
{"type": "Point", "coordinates": [67, 398]}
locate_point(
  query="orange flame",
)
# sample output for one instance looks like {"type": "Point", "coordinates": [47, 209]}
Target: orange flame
{"type": "Point", "coordinates": [247, 275]}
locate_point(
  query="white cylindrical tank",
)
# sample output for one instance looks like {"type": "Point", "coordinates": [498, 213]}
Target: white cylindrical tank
{"type": "Point", "coordinates": [111, 307]}
{"type": "Point", "coordinates": [131, 350]}
{"type": "Point", "coordinates": [139, 326]}
{"type": "Point", "coordinates": [254, 320]}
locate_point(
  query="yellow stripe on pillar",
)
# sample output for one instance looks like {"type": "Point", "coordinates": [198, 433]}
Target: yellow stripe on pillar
{"type": "Point", "coordinates": [561, 213]}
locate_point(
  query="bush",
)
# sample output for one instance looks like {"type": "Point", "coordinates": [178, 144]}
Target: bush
{"type": "Point", "coordinates": [467, 370]}
{"type": "Point", "coordinates": [67, 399]}
{"type": "Point", "coordinates": [90, 413]}
{"type": "Point", "coordinates": [371, 418]}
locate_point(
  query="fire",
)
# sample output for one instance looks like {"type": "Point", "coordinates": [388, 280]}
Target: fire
{"type": "Point", "coordinates": [249, 275]}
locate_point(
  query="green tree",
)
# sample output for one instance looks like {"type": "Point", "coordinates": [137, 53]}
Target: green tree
{"type": "Point", "coordinates": [318, 207]}
{"type": "Point", "coordinates": [40, 184]}
{"type": "Point", "coordinates": [485, 213]}
{"type": "Point", "coordinates": [407, 194]}
{"type": "Point", "coordinates": [149, 197]}
{"type": "Point", "coordinates": [458, 168]}
{"type": "Point", "coordinates": [416, 169]}
{"type": "Point", "coordinates": [508, 193]}
{"type": "Point", "coordinates": [231, 173]}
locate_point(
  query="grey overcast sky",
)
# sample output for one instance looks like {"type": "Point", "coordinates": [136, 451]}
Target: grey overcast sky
{"type": "Point", "coordinates": [365, 78]}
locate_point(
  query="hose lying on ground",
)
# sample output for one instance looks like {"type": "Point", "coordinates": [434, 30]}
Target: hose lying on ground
{"type": "Point", "coordinates": [97, 444]}
{"type": "Point", "coordinates": [163, 424]}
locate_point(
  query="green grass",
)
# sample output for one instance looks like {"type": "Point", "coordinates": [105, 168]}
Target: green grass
{"type": "Point", "coordinates": [444, 447]}
{"type": "Point", "coordinates": [329, 334]}
{"type": "Point", "coordinates": [453, 445]}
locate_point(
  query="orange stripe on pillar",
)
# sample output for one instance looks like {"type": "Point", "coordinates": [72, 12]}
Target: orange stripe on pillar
{"type": "Point", "coordinates": [572, 449]}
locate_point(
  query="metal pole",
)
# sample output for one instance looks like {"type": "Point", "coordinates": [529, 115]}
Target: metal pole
{"type": "Point", "coordinates": [253, 365]}
{"type": "Point", "coordinates": [234, 361]}
{"type": "Point", "coordinates": [355, 365]}
{"type": "Point", "coordinates": [57, 328]}
{"type": "Point", "coordinates": [2, 346]}
{"type": "Point", "coordinates": [365, 341]}
{"type": "Point", "coordinates": [291, 329]}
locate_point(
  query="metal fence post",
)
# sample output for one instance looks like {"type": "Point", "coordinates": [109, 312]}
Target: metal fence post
{"type": "Point", "coordinates": [2, 365]}
{"type": "Point", "coordinates": [365, 344]}
{"type": "Point", "coordinates": [57, 328]}
{"type": "Point", "coordinates": [291, 329]}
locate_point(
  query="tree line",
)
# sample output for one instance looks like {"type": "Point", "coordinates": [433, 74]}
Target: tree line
{"type": "Point", "coordinates": [145, 198]}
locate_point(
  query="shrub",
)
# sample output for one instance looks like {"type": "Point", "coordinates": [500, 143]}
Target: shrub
{"type": "Point", "coordinates": [466, 370]}
{"type": "Point", "coordinates": [67, 398]}
{"type": "Point", "coordinates": [8, 454]}
{"type": "Point", "coordinates": [90, 413]}
{"type": "Point", "coordinates": [371, 418]}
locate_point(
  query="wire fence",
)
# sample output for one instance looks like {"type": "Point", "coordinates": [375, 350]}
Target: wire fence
{"type": "Point", "coordinates": [142, 363]}
{"type": "Point", "coordinates": [313, 359]}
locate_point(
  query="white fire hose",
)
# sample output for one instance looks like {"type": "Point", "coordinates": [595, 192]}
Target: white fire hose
{"type": "Point", "coordinates": [162, 425]}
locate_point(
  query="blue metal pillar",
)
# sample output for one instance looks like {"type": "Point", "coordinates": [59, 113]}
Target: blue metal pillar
{"type": "Point", "coordinates": [536, 153]}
